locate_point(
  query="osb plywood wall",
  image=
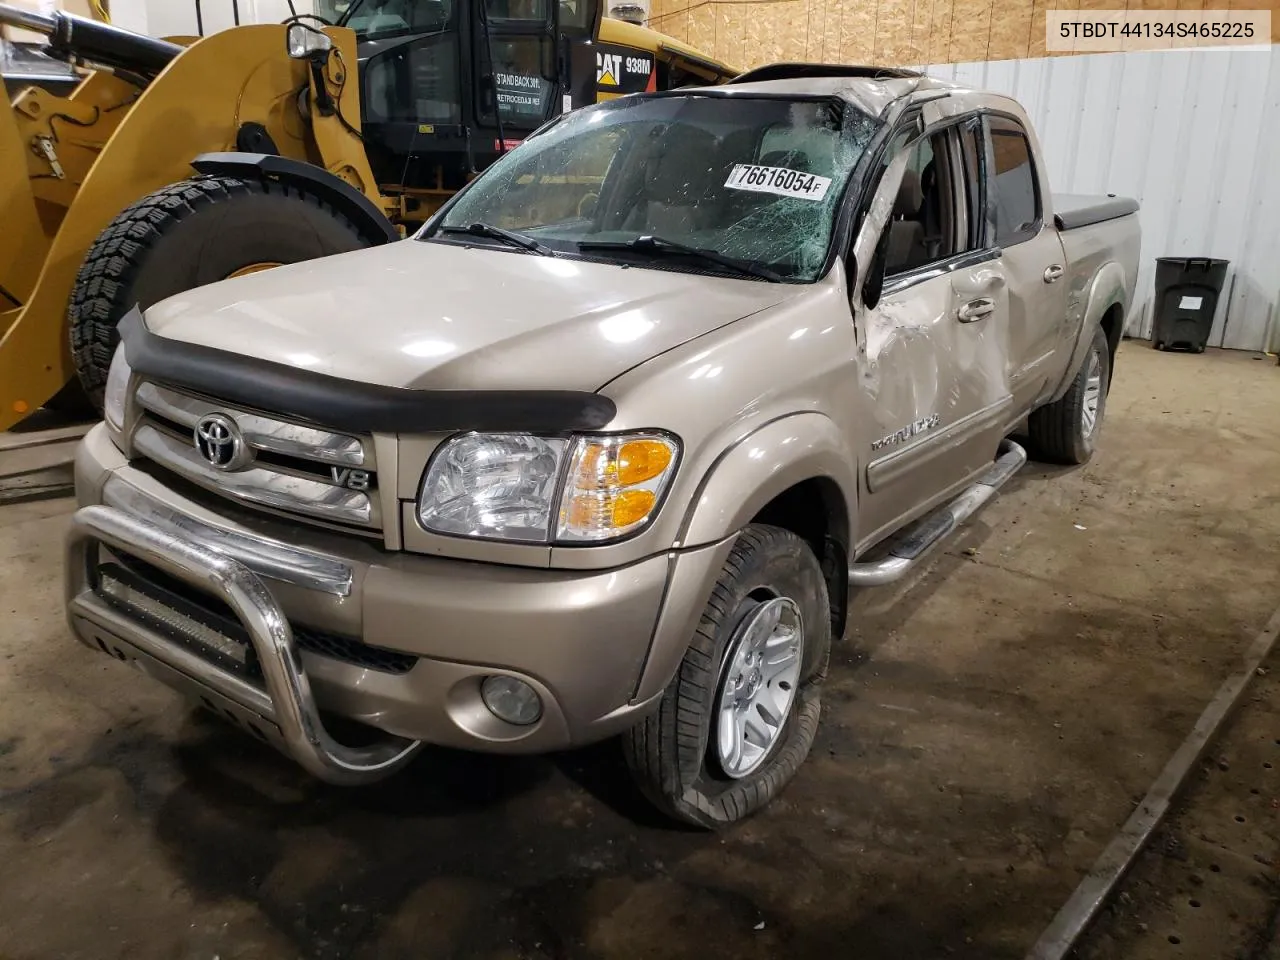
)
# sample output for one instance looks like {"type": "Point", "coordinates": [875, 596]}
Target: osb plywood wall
{"type": "Point", "coordinates": [747, 33]}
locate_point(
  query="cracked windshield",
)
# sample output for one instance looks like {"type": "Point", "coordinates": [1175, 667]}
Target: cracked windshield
{"type": "Point", "coordinates": [721, 185]}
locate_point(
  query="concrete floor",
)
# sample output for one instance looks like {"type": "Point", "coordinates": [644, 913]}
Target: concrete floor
{"type": "Point", "coordinates": [987, 727]}
{"type": "Point", "coordinates": [1207, 885]}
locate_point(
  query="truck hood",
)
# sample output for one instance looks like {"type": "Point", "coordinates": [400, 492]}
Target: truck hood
{"type": "Point", "coordinates": [427, 315]}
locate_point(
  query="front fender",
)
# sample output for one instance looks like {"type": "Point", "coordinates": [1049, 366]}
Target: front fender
{"type": "Point", "coordinates": [751, 472]}
{"type": "Point", "coordinates": [763, 464]}
{"type": "Point", "coordinates": [1106, 291]}
{"type": "Point", "coordinates": [332, 189]}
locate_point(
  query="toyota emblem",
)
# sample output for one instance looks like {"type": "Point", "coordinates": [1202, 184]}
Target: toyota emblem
{"type": "Point", "coordinates": [219, 442]}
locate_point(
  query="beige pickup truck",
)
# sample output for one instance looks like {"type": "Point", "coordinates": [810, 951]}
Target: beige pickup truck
{"type": "Point", "coordinates": [602, 450]}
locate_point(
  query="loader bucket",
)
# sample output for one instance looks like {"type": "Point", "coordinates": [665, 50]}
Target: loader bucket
{"type": "Point", "coordinates": [195, 105]}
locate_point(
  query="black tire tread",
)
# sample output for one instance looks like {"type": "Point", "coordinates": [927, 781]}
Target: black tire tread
{"type": "Point", "coordinates": [120, 251]}
{"type": "Point", "coordinates": [673, 734]}
{"type": "Point", "coordinates": [1054, 428]}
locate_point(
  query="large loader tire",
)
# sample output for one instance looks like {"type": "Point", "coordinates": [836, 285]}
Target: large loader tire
{"type": "Point", "coordinates": [185, 235]}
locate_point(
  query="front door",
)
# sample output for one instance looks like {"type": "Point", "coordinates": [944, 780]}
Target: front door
{"type": "Point", "coordinates": [932, 350]}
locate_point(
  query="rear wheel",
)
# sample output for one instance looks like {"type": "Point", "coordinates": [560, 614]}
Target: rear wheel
{"type": "Point", "coordinates": [741, 713]}
{"type": "Point", "coordinates": [1066, 431]}
{"type": "Point", "coordinates": [185, 235]}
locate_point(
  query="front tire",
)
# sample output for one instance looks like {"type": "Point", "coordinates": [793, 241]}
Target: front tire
{"type": "Point", "coordinates": [185, 235]}
{"type": "Point", "coordinates": [741, 713]}
{"type": "Point", "coordinates": [1066, 431]}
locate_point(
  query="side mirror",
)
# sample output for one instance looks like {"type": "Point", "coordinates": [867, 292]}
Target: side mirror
{"type": "Point", "coordinates": [873, 285]}
{"type": "Point", "coordinates": [305, 42]}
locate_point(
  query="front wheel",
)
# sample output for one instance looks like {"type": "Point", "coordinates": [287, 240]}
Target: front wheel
{"type": "Point", "coordinates": [1066, 431]}
{"type": "Point", "coordinates": [741, 713]}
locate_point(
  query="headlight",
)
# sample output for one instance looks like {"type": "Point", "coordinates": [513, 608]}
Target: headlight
{"type": "Point", "coordinates": [535, 489]}
{"type": "Point", "coordinates": [498, 486]}
{"type": "Point", "coordinates": [116, 394]}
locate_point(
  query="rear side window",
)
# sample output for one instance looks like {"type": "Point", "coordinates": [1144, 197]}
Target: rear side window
{"type": "Point", "coordinates": [1013, 183]}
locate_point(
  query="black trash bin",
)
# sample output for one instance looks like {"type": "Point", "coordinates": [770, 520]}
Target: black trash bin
{"type": "Point", "coordinates": [1187, 291]}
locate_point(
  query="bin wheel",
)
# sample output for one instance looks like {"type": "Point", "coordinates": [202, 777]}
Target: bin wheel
{"type": "Point", "coordinates": [1158, 344]}
{"type": "Point", "coordinates": [185, 235]}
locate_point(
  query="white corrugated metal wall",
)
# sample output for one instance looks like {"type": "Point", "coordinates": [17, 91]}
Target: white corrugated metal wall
{"type": "Point", "coordinates": [1193, 135]}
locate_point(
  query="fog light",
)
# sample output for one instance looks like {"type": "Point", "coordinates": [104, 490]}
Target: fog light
{"type": "Point", "coordinates": [511, 699]}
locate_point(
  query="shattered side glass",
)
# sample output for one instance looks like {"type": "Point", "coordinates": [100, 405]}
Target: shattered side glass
{"type": "Point", "coordinates": [753, 179]}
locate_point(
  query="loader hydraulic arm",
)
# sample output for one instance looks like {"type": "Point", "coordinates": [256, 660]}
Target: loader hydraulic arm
{"type": "Point", "coordinates": [73, 38]}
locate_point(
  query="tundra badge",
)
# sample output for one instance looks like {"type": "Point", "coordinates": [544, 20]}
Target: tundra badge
{"type": "Point", "coordinates": [907, 432]}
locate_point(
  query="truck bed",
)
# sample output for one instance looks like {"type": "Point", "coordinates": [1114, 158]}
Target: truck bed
{"type": "Point", "coordinates": [1077, 210]}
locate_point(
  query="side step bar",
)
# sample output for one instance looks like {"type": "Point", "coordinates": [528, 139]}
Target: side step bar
{"type": "Point", "coordinates": [917, 539]}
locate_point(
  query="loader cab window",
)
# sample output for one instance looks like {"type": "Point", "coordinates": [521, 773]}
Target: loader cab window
{"type": "Point", "coordinates": [333, 10]}
{"type": "Point", "coordinates": [415, 82]}
{"type": "Point", "coordinates": [380, 19]}
{"type": "Point", "coordinates": [523, 94]}
{"type": "Point", "coordinates": [579, 16]}
{"type": "Point", "coordinates": [535, 10]}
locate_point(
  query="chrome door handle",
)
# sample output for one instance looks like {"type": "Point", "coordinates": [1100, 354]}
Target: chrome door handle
{"type": "Point", "coordinates": [1053, 273]}
{"type": "Point", "coordinates": [976, 310]}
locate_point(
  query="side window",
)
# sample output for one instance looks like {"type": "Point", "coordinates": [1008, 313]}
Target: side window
{"type": "Point", "coordinates": [416, 81]}
{"type": "Point", "coordinates": [523, 94]}
{"type": "Point", "coordinates": [926, 224]}
{"type": "Point", "coordinates": [517, 9]}
{"type": "Point", "coordinates": [1013, 183]}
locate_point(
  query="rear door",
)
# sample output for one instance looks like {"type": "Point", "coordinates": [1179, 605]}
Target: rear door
{"type": "Point", "coordinates": [1031, 254]}
{"type": "Point", "coordinates": [932, 350]}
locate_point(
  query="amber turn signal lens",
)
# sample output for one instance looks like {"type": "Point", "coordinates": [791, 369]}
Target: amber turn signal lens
{"type": "Point", "coordinates": [613, 486]}
{"type": "Point", "coordinates": [641, 460]}
{"type": "Point", "coordinates": [632, 506]}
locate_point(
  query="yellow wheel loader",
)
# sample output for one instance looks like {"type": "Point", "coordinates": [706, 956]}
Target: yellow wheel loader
{"type": "Point", "coordinates": [179, 162]}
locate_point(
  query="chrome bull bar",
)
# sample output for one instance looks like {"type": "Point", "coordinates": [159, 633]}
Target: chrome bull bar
{"type": "Point", "coordinates": [287, 703]}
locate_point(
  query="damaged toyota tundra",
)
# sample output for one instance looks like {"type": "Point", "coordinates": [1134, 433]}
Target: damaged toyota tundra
{"type": "Point", "coordinates": [604, 447]}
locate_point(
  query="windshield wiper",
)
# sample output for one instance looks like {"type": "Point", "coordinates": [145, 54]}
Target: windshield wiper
{"type": "Point", "coordinates": [498, 233]}
{"type": "Point", "coordinates": [661, 245]}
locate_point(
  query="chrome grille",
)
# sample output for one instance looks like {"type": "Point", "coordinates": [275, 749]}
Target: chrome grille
{"type": "Point", "coordinates": [289, 467]}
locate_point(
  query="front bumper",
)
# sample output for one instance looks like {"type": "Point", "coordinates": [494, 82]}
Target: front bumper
{"type": "Point", "coordinates": [597, 646]}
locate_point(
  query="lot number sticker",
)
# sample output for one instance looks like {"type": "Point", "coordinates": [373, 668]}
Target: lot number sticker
{"type": "Point", "coordinates": [778, 180]}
